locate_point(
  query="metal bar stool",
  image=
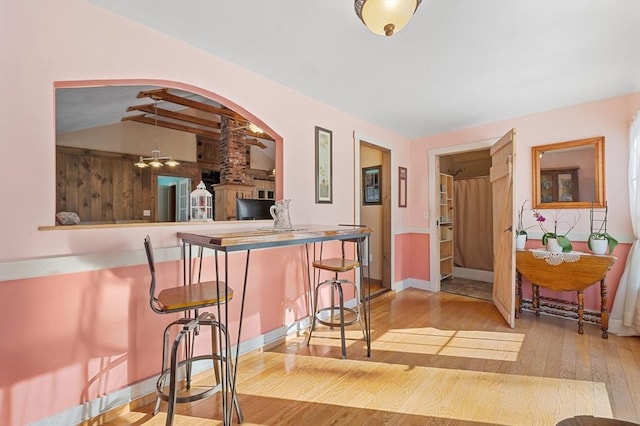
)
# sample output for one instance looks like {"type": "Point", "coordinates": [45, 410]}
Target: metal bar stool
{"type": "Point", "coordinates": [189, 299]}
{"type": "Point", "coordinates": [337, 312]}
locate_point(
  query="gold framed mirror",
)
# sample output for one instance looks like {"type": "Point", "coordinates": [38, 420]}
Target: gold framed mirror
{"type": "Point", "coordinates": [569, 175]}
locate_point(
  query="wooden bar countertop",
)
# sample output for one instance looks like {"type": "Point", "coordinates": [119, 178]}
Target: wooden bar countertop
{"type": "Point", "coordinates": [244, 239]}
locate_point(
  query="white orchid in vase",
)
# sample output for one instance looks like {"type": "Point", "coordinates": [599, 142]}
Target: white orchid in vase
{"type": "Point", "coordinates": [521, 229]}
{"type": "Point", "coordinates": [562, 219]}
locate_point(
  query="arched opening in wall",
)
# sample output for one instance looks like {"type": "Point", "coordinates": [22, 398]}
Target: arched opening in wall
{"type": "Point", "coordinates": [118, 141]}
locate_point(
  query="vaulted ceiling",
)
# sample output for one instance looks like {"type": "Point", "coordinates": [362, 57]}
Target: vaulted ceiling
{"type": "Point", "coordinates": [88, 107]}
{"type": "Point", "coordinates": [457, 64]}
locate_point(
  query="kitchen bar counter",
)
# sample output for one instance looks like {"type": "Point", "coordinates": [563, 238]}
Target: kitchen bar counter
{"type": "Point", "coordinates": [224, 242]}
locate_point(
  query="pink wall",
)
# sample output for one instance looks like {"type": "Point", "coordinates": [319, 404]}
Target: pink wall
{"type": "Point", "coordinates": [609, 118]}
{"type": "Point", "coordinates": [85, 42]}
{"type": "Point", "coordinates": [412, 257]}
{"type": "Point", "coordinates": [75, 332]}
{"type": "Point", "coordinates": [68, 339]}
{"type": "Point", "coordinates": [69, 336]}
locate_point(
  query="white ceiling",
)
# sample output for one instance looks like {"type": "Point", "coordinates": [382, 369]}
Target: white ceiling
{"type": "Point", "coordinates": [457, 64]}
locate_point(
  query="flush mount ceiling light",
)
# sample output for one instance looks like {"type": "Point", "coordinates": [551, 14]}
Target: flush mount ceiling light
{"type": "Point", "coordinates": [156, 160]}
{"type": "Point", "coordinates": [386, 17]}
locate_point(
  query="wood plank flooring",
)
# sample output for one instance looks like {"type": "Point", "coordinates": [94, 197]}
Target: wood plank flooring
{"type": "Point", "coordinates": [437, 358]}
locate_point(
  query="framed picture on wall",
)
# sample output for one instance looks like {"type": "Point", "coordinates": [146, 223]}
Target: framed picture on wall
{"type": "Point", "coordinates": [324, 166]}
{"type": "Point", "coordinates": [402, 187]}
{"type": "Point", "coordinates": [371, 189]}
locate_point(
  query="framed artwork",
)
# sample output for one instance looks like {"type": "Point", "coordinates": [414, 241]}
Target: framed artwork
{"type": "Point", "coordinates": [371, 181]}
{"type": "Point", "coordinates": [324, 166]}
{"type": "Point", "coordinates": [402, 187]}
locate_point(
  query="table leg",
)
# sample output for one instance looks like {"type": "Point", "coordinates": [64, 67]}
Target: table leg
{"type": "Point", "coordinates": [365, 296]}
{"type": "Point", "coordinates": [604, 313]}
{"type": "Point", "coordinates": [535, 302]}
{"type": "Point", "coordinates": [580, 311]}
{"type": "Point", "coordinates": [232, 381]}
{"type": "Point", "coordinates": [310, 285]}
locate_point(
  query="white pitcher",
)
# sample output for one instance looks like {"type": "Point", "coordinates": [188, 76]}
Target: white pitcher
{"type": "Point", "coordinates": [280, 214]}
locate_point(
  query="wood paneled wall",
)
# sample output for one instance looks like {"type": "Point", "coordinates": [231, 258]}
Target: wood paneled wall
{"type": "Point", "coordinates": [104, 186]}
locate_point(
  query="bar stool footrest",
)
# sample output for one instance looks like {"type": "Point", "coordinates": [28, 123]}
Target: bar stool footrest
{"type": "Point", "coordinates": [160, 385]}
{"type": "Point", "coordinates": [336, 313]}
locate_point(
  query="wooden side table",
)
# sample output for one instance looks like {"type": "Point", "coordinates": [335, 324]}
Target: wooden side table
{"type": "Point", "coordinates": [564, 272]}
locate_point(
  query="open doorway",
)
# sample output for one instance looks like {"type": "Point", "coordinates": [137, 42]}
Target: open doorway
{"type": "Point", "coordinates": [375, 211]}
{"type": "Point", "coordinates": [173, 198]}
{"type": "Point", "coordinates": [502, 172]}
{"type": "Point", "coordinates": [472, 223]}
{"type": "Point", "coordinates": [450, 160]}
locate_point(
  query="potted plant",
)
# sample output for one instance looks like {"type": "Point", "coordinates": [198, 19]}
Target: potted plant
{"type": "Point", "coordinates": [555, 241]}
{"type": "Point", "coordinates": [521, 231]}
{"type": "Point", "coordinates": [600, 241]}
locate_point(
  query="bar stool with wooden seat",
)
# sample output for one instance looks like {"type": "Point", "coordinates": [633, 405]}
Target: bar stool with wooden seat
{"type": "Point", "coordinates": [338, 314]}
{"type": "Point", "coordinates": [189, 299]}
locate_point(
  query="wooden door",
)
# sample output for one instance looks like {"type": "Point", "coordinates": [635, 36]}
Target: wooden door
{"type": "Point", "coordinates": [183, 195]}
{"type": "Point", "coordinates": [501, 176]}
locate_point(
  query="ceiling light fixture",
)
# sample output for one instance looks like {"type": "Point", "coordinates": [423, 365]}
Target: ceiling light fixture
{"type": "Point", "coordinates": [386, 17]}
{"type": "Point", "coordinates": [251, 127]}
{"type": "Point", "coordinates": [156, 159]}
{"type": "Point", "coordinates": [254, 128]}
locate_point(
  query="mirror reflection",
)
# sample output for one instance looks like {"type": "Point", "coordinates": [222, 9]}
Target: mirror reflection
{"type": "Point", "coordinates": [569, 174]}
{"type": "Point", "coordinates": [133, 154]}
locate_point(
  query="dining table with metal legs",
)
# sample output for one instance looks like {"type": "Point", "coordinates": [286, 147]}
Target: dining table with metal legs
{"type": "Point", "coordinates": [223, 242]}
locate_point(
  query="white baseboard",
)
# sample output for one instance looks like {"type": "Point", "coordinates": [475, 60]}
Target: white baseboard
{"type": "Point", "coordinates": [414, 283]}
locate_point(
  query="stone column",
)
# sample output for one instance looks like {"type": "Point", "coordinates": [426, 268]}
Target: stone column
{"type": "Point", "coordinates": [233, 151]}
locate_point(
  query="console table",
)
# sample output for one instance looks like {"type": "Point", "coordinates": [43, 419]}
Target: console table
{"type": "Point", "coordinates": [564, 272]}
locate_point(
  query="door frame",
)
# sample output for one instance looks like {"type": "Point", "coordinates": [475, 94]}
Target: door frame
{"type": "Point", "coordinates": [390, 183]}
{"type": "Point", "coordinates": [434, 171]}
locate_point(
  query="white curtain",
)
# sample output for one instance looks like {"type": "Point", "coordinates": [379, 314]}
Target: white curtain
{"type": "Point", "coordinates": [625, 315]}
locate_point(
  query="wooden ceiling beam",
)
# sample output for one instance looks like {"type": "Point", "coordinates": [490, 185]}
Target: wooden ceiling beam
{"type": "Point", "coordinates": [164, 95]}
{"type": "Point", "coordinates": [259, 135]}
{"type": "Point", "coordinates": [256, 142]}
{"type": "Point", "coordinates": [150, 108]}
{"type": "Point", "coordinates": [170, 125]}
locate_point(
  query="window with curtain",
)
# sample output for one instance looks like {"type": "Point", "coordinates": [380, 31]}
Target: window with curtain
{"type": "Point", "coordinates": [625, 315]}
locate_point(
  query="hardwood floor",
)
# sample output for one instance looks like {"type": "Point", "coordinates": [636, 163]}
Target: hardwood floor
{"type": "Point", "coordinates": [437, 358]}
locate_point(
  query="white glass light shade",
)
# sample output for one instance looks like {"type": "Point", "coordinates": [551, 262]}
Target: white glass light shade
{"type": "Point", "coordinates": [155, 163]}
{"type": "Point", "coordinates": [386, 17]}
{"type": "Point", "coordinates": [141, 163]}
{"type": "Point", "coordinates": [171, 162]}
{"type": "Point", "coordinates": [254, 128]}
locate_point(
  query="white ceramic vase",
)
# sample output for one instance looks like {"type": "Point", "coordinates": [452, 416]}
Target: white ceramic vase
{"type": "Point", "coordinates": [599, 246]}
{"type": "Point", "coordinates": [521, 240]}
{"type": "Point", "coordinates": [553, 246]}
